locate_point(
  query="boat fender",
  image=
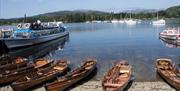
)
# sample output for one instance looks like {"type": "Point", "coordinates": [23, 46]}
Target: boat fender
{"type": "Point", "coordinates": [19, 26]}
{"type": "Point", "coordinates": [27, 25]}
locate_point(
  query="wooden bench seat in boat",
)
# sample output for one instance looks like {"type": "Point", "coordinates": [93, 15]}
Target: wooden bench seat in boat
{"type": "Point", "coordinates": [112, 85]}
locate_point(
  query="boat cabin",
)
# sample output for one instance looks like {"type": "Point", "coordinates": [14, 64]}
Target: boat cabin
{"type": "Point", "coordinates": [171, 31]}
{"type": "Point", "coordinates": [30, 30]}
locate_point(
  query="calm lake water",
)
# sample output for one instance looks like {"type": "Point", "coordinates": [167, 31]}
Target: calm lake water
{"type": "Point", "coordinates": [107, 42]}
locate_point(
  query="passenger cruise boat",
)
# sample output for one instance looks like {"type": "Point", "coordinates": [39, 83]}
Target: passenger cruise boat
{"type": "Point", "coordinates": [171, 33]}
{"type": "Point", "coordinates": [28, 34]}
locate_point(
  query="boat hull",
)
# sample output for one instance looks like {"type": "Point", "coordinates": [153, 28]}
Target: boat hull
{"type": "Point", "coordinates": [4, 79]}
{"type": "Point", "coordinates": [172, 37]}
{"type": "Point", "coordinates": [114, 74]}
{"type": "Point", "coordinates": [173, 83]}
{"type": "Point", "coordinates": [70, 83]}
{"type": "Point", "coordinates": [12, 66]}
{"type": "Point", "coordinates": [62, 85]}
{"type": "Point", "coordinates": [25, 85]}
{"type": "Point", "coordinates": [22, 42]}
{"type": "Point", "coordinates": [12, 77]}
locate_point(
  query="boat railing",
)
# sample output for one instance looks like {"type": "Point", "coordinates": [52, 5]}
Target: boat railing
{"type": "Point", "coordinates": [174, 30]}
{"type": "Point", "coordinates": [44, 32]}
{"type": "Point", "coordinates": [37, 33]}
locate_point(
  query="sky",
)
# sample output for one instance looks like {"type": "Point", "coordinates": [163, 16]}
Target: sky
{"type": "Point", "coordinates": [17, 8]}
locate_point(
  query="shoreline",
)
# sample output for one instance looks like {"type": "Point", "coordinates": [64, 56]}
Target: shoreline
{"type": "Point", "coordinates": [132, 86]}
{"type": "Point", "coordinates": [96, 86]}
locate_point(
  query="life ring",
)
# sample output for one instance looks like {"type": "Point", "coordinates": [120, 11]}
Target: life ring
{"type": "Point", "coordinates": [19, 26]}
{"type": "Point", "coordinates": [27, 25]}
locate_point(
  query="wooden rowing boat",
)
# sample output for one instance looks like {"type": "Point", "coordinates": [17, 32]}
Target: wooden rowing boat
{"type": "Point", "coordinates": [10, 76]}
{"type": "Point", "coordinates": [118, 77]}
{"type": "Point", "coordinates": [17, 63]}
{"type": "Point", "coordinates": [167, 72]}
{"type": "Point", "coordinates": [40, 77]}
{"type": "Point", "coordinates": [72, 77]}
{"type": "Point", "coordinates": [6, 59]}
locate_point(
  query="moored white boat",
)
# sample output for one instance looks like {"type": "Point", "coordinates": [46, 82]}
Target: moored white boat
{"type": "Point", "coordinates": [121, 21]}
{"type": "Point", "coordinates": [171, 33]}
{"type": "Point", "coordinates": [130, 22]}
{"type": "Point", "coordinates": [159, 22]}
{"type": "Point", "coordinates": [114, 21]}
{"type": "Point", "coordinates": [96, 21]}
{"type": "Point", "coordinates": [106, 21]}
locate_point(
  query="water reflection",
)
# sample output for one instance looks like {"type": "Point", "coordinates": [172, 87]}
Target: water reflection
{"type": "Point", "coordinates": [170, 43]}
{"type": "Point", "coordinates": [40, 50]}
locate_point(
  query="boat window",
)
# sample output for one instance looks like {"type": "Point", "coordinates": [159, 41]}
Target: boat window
{"type": "Point", "coordinates": [170, 32]}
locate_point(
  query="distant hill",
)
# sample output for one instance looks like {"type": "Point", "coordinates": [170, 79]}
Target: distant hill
{"type": "Point", "coordinates": [135, 11]}
{"type": "Point", "coordinates": [173, 12]}
{"type": "Point", "coordinates": [63, 13]}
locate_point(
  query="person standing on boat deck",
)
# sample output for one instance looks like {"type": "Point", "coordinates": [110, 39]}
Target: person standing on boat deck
{"type": "Point", "coordinates": [36, 25]}
{"type": "Point", "coordinates": [39, 24]}
{"type": "Point", "coordinates": [31, 26]}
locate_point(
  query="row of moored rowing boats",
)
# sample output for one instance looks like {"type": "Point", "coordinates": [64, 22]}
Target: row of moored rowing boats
{"type": "Point", "coordinates": [22, 75]}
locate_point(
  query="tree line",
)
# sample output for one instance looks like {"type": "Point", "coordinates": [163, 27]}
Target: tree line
{"type": "Point", "coordinates": [173, 12]}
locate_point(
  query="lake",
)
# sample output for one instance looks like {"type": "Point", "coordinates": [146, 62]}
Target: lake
{"type": "Point", "coordinates": [107, 42]}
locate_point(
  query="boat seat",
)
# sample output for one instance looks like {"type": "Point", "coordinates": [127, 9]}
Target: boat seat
{"type": "Point", "coordinates": [58, 68]}
{"type": "Point", "coordinates": [27, 78]}
{"type": "Point", "coordinates": [19, 60]}
{"type": "Point", "coordinates": [74, 75]}
{"type": "Point", "coordinates": [168, 68]}
{"type": "Point", "coordinates": [124, 75]}
{"type": "Point", "coordinates": [161, 67]}
{"type": "Point", "coordinates": [125, 69]}
{"type": "Point", "coordinates": [7, 71]}
{"type": "Point", "coordinates": [89, 67]}
{"type": "Point", "coordinates": [39, 73]}
{"type": "Point", "coordinates": [165, 67]}
{"type": "Point", "coordinates": [40, 63]}
{"type": "Point", "coordinates": [111, 85]}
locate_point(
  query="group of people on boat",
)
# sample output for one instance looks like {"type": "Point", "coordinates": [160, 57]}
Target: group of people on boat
{"type": "Point", "coordinates": [39, 26]}
{"type": "Point", "coordinates": [36, 25]}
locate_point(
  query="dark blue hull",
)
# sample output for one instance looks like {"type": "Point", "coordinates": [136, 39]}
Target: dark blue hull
{"type": "Point", "coordinates": [12, 43]}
